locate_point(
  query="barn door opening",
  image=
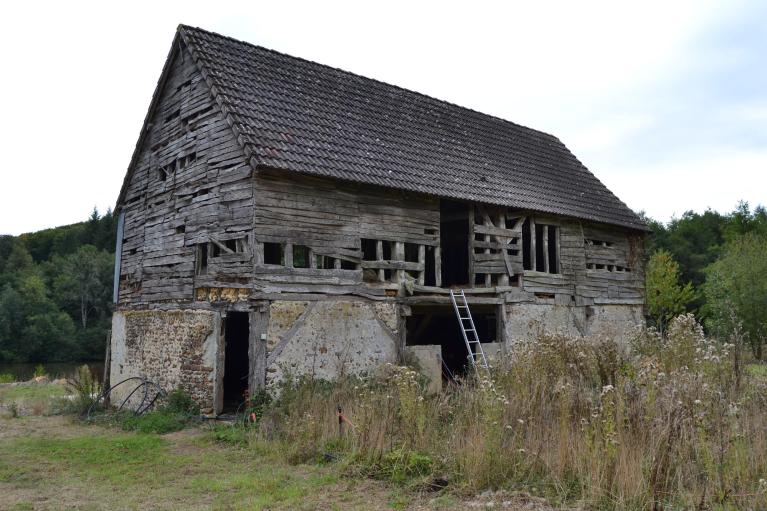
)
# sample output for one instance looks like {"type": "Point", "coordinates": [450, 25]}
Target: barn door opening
{"type": "Point", "coordinates": [437, 325]}
{"type": "Point", "coordinates": [236, 366]}
{"type": "Point", "coordinates": [454, 239]}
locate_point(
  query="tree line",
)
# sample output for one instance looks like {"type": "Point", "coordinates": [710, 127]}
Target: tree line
{"type": "Point", "coordinates": [715, 266]}
{"type": "Point", "coordinates": [56, 284]}
{"type": "Point", "coordinates": [56, 292]}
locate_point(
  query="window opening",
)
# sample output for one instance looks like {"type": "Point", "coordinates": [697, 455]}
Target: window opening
{"type": "Point", "coordinates": [368, 249]}
{"type": "Point", "coordinates": [274, 253]}
{"type": "Point", "coordinates": [411, 252]}
{"type": "Point", "coordinates": [202, 258]}
{"type": "Point", "coordinates": [301, 257]}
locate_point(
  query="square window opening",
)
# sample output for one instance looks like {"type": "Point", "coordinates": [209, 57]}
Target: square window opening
{"type": "Point", "coordinates": [411, 252]}
{"type": "Point", "coordinates": [274, 253]}
{"type": "Point", "coordinates": [368, 249]}
{"type": "Point", "coordinates": [301, 256]}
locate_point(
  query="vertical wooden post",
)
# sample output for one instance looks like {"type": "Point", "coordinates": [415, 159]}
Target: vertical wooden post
{"type": "Point", "coordinates": [546, 248]}
{"type": "Point", "coordinates": [558, 263]}
{"type": "Point", "coordinates": [312, 259]}
{"type": "Point", "coordinates": [379, 257]}
{"type": "Point", "coordinates": [487, 223]}
{"type": "Point", "coordinates": [471, 245]}
{"type": "Point", "coordinates": [398, 254]}
{"type": "Point", "coordinates": [503, 278]}
{"type": "Point", "coordinates": [258, 253]}
{"type": "Point", "coordinates": [533, 252]}
{"type": "Point", "coordinates": [337, 264]}
{"type": "Point", "coordinates": [422, 262]}
{"type": "Point", "coordinates": [259, 323]}
{"type": "Point", "coordinates": [438, 266]}
{"type": "Point", "coordinates": [288, 255]}
{"type": "Point", "coordinates": [105, 381]}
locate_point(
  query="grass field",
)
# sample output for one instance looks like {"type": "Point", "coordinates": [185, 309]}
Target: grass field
{"type": "Point", "coordinates": [53, 463]}
{"type": "Point", "coordinates": [667, 423]}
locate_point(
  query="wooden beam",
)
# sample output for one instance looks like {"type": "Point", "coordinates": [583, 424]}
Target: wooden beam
{"type": "Point", "coordinates": [471, 246]}
{"type": "Point", "coordinates": [288, 254]}
{"type": "Point", "coordinates": [533, 258]}
{"type": "Point", "coordinates": [422, 262]}
{"type": "Point", "coordinates": [503, 280]}
{"type": "Point", "coordinates": [379, 257]}
{"type": "Point", "coordinates": [221, 245]}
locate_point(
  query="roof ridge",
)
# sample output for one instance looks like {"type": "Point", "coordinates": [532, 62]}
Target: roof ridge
{"type": "Point", "coordinates": [357, 75]}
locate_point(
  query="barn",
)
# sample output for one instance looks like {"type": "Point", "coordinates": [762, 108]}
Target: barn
{"type": "Point", "coordinates": [281, 218]}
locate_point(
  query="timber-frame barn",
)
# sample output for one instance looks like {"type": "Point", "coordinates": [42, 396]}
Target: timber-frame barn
{"type": "Point", "coordinates": [281, 217]}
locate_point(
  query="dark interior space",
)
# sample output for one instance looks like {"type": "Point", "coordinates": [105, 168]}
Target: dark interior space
{"type": "Point", "coordinates": [430, 275]}
{"type": "Point", "coordinates": [552, 244]}
{"type": "Point", "coordinates": [539, 264]}
{"type": "Point", "coordinates": [454, 239]}
{"type": "Point", "coordinates": [236, 334]}
{"type": "Point", "coordinates": [439, 325]}
{"type": "Point", "coordinates": [527, 257]}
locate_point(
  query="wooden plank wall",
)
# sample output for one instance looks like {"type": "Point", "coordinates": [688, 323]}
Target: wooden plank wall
{"type": "Point", "coordinates": [191, 179]}
{"type": "Point", "coordinates": [192, 187]}
{"type": "Point", "coordinates": [331, 218]}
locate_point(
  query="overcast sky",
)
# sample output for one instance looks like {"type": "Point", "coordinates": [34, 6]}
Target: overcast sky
{"type": "Point", "coordinates": [665, 102]}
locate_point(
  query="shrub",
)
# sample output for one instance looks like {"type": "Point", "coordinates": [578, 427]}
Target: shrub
{"type": "Point", "coordinates": [7, 378]}
{"type": "Point", "coordinates": [582, 420]}
{"type": "Point", "coordinates": [86, 390]}
{"type": "Point", "coordinates": [39, 371]}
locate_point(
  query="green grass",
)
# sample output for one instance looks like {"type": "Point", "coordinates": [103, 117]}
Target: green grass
{"type": "Point", "coordinates": [187, 470]}
{"type": "Point", "coordinates": [757, 370]}
{"type": "Point", "coordinates": [30, 392]}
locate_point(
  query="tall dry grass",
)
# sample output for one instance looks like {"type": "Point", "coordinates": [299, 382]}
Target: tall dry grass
{"type": "Point", "coordinates": [663, 424]}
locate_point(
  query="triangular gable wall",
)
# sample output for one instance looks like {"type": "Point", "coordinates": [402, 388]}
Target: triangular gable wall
{"type": "Point", "coordinates": [188, 179]}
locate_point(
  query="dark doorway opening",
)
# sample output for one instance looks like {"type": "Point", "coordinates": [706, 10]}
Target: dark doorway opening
{"type": "Point", "coordinates": [430, 325]}
{"type": "Point", "coordinates": [236, 367]}
{"type": "Point", "coordinates": [454, 239]}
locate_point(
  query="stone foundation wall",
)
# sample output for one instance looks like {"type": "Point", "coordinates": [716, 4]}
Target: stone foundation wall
{"type": "Point", "coordinates": [527, 321]}
{"type": "Point", "coordinates": [175, 349]}
{"type": "Point", "coordinates": [328, 339]}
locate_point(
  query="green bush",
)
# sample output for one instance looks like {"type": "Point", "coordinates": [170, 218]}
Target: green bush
{"type": "Point", "coordinates": [7, 378]}
{"type": "Point", "coordinates": [233, 435]}
{"type": "Point", "coordinates": [176, 411]}
{"type": "Point", "coordinates": [400, 465]}
{"type": "Point", "coordinates": [180, 402]}
{"type": "Point", "coordinates": [157, 421]}
{"type": "Point", "coordinates": [39, 371]}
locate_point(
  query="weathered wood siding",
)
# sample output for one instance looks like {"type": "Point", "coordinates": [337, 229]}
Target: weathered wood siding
{"type": "Point", "coordinates": [332, 218]}
{"type": "Point", "coordinates": [190, 179]}
{"type": "Point", "coordinates": [198, 220]}
{"type": "Point", "coordinates": [597, 265]}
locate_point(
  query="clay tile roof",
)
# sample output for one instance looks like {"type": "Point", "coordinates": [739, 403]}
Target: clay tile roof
{"type": "Point", "coordinates": [295, 115]}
